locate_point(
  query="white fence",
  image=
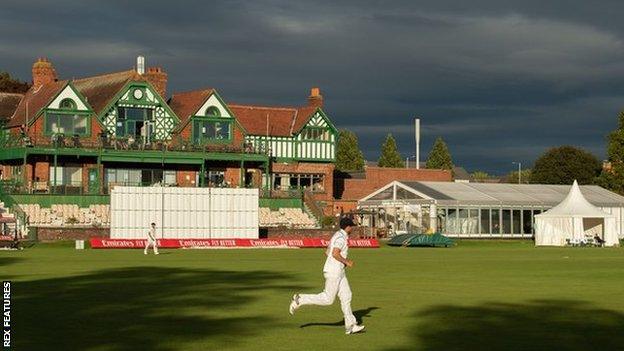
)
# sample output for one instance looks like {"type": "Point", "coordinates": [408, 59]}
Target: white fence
{"type": "Point", "coordinates": [184, 212]}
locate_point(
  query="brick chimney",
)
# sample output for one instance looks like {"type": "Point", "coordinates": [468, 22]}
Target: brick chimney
{"type": "Point", "coordinates": [43, 72]}
{"type": "Point", "coordinates": [315, 99]}
{"type": "Point", "coordinates": [158, 78]}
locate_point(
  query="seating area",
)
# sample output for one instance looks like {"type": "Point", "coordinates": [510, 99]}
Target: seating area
{"type": "Point", "coordinates": [66, 214]}
{"type": "Point", "coordinates": [99, 215]}
{"type": "Point", "coordinates": [286, 217]}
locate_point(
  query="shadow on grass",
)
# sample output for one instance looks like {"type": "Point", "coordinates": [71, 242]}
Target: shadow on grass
{"type": "Point", "coordinates": [538, 325]}
{"type": "Point", "coordinates": [142, 308]}
{"type": "Point", "coordinates": [359, 316]}
{"type": "Point", "coordinates": [5, 261]}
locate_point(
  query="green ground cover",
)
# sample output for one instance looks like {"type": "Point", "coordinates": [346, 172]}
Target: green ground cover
{"type": "Point", "coordinates": [476, 296]}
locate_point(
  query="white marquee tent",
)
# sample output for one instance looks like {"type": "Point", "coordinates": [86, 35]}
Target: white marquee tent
{"type": "Point", "coordinates": [574, 220]}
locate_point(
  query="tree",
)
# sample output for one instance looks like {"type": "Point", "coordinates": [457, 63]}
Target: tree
{"type": "Point", "coordinates": [612, 177]}
{"type": "Point", "coordinates": [480, 176]}
{"type": "Point", "coordinates": [564, 164]}
{"type": "Point", "coordinates": [348, 154]}
{"type": "Point", "coordinates": [390, 156]}
{"type": "Point", "coordinates": [11, 85]}
{"type": "Point", "coordinates": [512, 177]}
{"type": "Point", "coordinates": [439, 157]}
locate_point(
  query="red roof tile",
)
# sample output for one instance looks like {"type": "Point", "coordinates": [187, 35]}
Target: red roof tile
{"type": "Point", "coordinates": [303, 116]}
{"type": "Point", "coordinates": [99, 90]}
{"type": "Point", "coordinates": [282, 121]}
{"type": "Point", "coordinates": [185, 104]}
{"type": "Point", "coordinates": [35, 99]}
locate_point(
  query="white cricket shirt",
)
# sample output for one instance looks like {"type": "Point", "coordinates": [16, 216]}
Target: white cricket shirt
{"type": "Point", "coordinates": [151, 234]}
{"type": "Point", "coordinates": [338, 241]}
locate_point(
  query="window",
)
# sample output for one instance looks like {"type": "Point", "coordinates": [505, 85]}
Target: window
{"type": "Point", "coordinates": [516, 227]}
{"type": "Point", "coordinates": [66, 176]}
{"type": "Point", "coordinates": [213, 111]}
{"type": "Point", "coordinates": [527, 222]}
{"type": "Point", "coordinates": [133, 121]}
{"type": "Point", "coordinates": [452, 220]}
{"type": "Point", "coordinates": [506, 222]}
{"type": "Point", "coordinates": [138, 177]}
{"type": "Point", "coordinates": [464, 221]}
{"type": "Point", "coordinates": [442, 220]}
{"type": "Point", "coordinates": [485, 221]}
{"type": "Point", "coordinates": [67, 104]}
{"type": "Point", "coordinates": [315, 134]}
{"type": "Point", "coordinates": [315, 182]}
{"type": "Point", "coordinates": [215, 177]}
{"type": "Point", "coordinates": [68, 124]}
{"type": "Point", "coordinates": [496, 227]}
{"type": "Point", "coordinates": [210, 130]}
{"type": "Point", "coordinates": [473, 222]}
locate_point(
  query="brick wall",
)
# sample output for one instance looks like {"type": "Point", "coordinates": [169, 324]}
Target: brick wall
{"type": "Point", "coordinates": [275, 233]}
{"type": "Point", "coordinates": [232, 176]}
{"type": "Point", "coordinates": [376, 177]}
{"type": "Point", "coordinates": [54, 234]}
{"type": "Point", "coordinates": [42, 171]}
{"type": "Point", "coordinates": [186, 178]}
{"type": "Point", "coordinates": [327, 169]}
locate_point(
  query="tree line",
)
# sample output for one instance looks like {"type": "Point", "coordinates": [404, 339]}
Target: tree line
{"type": "Point", "coordinates": [557, 165]}
{"type": "Point", "coordinates": [349, 157]}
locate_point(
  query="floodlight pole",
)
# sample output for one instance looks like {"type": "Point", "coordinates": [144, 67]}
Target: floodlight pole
{"type": "Point", "coordinates": [417, 136]}
{"type": "Point", "coordinates": [519, 171]}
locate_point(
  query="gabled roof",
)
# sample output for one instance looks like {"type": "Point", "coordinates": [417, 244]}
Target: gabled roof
{"type": "Point", "coordinates": [303, 116]}
{"type": "Point", "coordinates": [99, 90]}
{"type": "Point", "coordinates": [282, 121]}
{"type": "Point", "coordinates": [8, 104]}
{"type": "Point", "coordinates": [465, 194]}
{"type": "Point", "coordinates": [35, 99]}
{"type": "Point", "coordinates": [184, 104]}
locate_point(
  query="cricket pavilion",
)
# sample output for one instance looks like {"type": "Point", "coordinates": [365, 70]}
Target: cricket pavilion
{"type": "Point", "coordinates": [84, 136]}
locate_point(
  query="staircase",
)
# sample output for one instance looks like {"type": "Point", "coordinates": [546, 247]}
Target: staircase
{"type": "Point", "coordinates": [311, 207]}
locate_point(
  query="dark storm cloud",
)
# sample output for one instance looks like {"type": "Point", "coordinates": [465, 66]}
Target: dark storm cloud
{"type": "Point", "coordinates": [499, 80]}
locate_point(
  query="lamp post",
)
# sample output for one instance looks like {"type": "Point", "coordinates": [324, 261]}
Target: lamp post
{"type": "Point", "coordinates": [519, 171]}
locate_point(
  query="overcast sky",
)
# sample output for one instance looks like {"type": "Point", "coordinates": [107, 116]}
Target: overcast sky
{"type": "Point", "coordinates": [500, 81]}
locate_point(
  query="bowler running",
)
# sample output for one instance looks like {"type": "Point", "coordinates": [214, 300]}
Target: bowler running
{"type": "Point", "coordinates": [336, 282]}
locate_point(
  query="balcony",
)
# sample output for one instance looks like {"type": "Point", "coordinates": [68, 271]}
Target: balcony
{"type": "Point", "coordinates": [129, 143]}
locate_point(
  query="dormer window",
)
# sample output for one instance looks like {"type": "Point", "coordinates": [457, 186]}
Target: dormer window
{"type": "Point", "coordinates": [213, 111]}
{"type": "Point", "coordinates": [67, 104]}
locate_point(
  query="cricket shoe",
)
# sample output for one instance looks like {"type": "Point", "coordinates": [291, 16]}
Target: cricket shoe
{"type": "Point", "coordinates": [355, 329]}
{"type": "Point", "coordinates": [294, 304]}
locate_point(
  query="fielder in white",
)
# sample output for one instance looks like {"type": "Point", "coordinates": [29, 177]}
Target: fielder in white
{"type": "Point", "coordinates": [151, 239]}
{"type": "Point", "coordinates": [336, 282]}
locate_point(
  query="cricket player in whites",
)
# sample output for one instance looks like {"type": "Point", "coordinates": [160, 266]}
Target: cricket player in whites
{"type": "Point", "coordinates": [336, 282]}
{"type": "Point", "coordinates": [151, 239]}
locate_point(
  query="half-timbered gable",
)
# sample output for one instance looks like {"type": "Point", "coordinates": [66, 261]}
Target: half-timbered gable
{"type": "Point", "coordinates": [205, 118]}
{"type": "Point", "coordinates": [297, 134]}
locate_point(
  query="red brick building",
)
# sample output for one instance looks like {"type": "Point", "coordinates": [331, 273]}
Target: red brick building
{"type": "Point", "coordinates": [78, 136]}
{"type": "Point", "coordinates": [351, 187]}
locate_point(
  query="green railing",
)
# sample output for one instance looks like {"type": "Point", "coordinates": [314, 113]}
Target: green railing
{"type": "Point", "coordinates": [127, 143]}
{"type": "Point", "coordinates": [275, 204]}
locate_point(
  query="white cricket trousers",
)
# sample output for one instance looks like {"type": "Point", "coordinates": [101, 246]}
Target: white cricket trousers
{"type": "Point", "coordinates": [334, 285]}
{"type": "Point", "coordinates": [152, 242]}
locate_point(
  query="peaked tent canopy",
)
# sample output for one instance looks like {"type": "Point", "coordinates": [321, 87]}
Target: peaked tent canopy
{"type": "Point", "coordinates": [574, 219]}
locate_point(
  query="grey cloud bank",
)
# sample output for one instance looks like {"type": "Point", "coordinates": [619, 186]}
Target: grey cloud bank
{"type": "Point", "coordinates": [500, 81]}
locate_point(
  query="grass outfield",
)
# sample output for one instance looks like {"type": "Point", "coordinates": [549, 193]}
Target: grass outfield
{"type": "Point", "coordinates": [479, 295]}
